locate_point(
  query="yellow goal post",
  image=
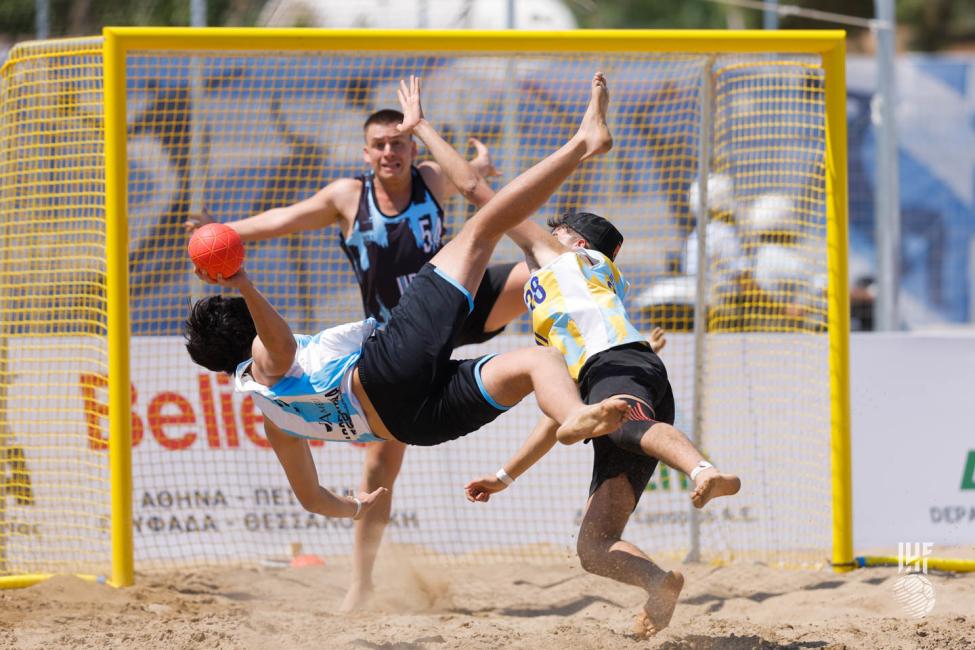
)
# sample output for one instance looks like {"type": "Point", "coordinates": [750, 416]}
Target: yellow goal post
{"type": "Point", "coordinates": [742, 130]}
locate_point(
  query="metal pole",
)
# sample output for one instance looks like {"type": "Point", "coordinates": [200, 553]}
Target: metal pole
{"type": "Point", "coordinates": [117, 299]}
{"type": "Point", "coordinates": [197, 163]}
{"type": "Point", "coordinates": [770, 15]}
{"type": "Point", "coordinates": [198, 18]}
{"type": "Point", "coordinates": [42, 19]}
{"type": "Point", "coordinates": [701, 290]}
{"type": "Point", "coordinates": [887, 220]}
{"type": "Point", "coordinates": [422, 14]}
{"type": "Point", "coordinates": [198, 13]}
{"type": "Point", "coordinates": [510, 125]}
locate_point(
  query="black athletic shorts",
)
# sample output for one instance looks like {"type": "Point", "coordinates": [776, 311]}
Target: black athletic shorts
{"type": "Point", "coordinates": [487, 294]}
{"type": "Point", "coordinates": [631, 369]}
{"type": "Point", "coordinates": [421, 394]}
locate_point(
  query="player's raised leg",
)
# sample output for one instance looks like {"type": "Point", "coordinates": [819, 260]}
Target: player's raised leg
{"type": "Point", "coordinates": [668, 444]}
{"type": "Point", "coordinates": [511, 376]}
{"type": "Point", "coordinates": [510, 303]}
{"type": "Point", "coordinates": [380, 469]}
{"type": "Point", "coordinates": [602, 551]}
{"type": "Point", "coordinates": [466, 256]}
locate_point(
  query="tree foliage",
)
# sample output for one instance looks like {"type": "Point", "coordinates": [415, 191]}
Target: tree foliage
{"type": "Point", "coordinates": [87, 17]}
{"type": "Point", "coordinates": [650, 14]}
{"type": "Point", "coordinates": [930, 24]}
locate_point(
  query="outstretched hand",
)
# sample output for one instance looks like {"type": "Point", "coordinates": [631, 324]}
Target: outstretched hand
{"type": "Point", "coordinates": [409, 101]}
{"type": "Point", "coordinates": [195, 221]}
{"type": "Point", "coordinates": [482, 161]}
{"type": "Point", "coordinates": [236, 281]}
{"type": "Point", "coordinates": [658, 339]}
{"type": "Point", "coordinates": [370, 499]}
{"type": "Point", "coordinates": [481, 489]}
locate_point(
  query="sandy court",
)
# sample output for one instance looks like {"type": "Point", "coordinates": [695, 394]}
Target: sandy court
{"type": "Point", "coordinates": [492, 606]}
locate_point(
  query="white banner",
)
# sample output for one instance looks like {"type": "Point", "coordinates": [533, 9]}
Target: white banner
{"type": "Point", "coordinates": [207, 486]}
{"type": "Point", "coordinates": [913, 440]}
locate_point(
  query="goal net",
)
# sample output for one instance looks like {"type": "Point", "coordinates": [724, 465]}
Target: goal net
{"type": "Point", "coordinates": [240, 131]}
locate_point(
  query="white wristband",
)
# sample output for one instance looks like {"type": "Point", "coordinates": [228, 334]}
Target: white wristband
{"type": "Point", "coordinates": [504, 477]}
{"type": "Point", "coordinates": [358, 507]}
{"type": "Point", "coordinates": [701, 466]}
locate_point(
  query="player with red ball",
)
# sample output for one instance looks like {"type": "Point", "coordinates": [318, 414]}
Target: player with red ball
{"type": "Point", "coordinates": [216, 250]}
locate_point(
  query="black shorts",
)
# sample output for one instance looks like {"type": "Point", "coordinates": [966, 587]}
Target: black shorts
{"type": "Point", "coordinates": [487, 294]}
{"type": "Point", "coordinates": [631, 369]}
{"type": "Point", "coordinates": [421, 394]}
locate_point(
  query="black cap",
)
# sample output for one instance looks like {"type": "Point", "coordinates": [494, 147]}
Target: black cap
{"type": "Point", "coordinates": [600, 233]}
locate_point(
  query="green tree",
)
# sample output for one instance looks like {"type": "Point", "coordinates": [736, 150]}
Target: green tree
{"type": "Point", "coordinates": [650, 14]}
{"type": "Point", "coordinates": [87, 17]}
{"type": "Point", "coordinates": [938, 24]}
{"type": "Point", "coordinates": [931, 24]}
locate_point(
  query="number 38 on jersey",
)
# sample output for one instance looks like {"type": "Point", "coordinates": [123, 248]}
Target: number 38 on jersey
{"type": "Point", "coordinates": [535, 293]}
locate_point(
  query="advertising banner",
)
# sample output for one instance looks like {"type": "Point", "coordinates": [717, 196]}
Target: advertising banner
{"type": "Point", "coordinates": [208, 487]}
{"type": "Point", "coordinates": [913, 440]}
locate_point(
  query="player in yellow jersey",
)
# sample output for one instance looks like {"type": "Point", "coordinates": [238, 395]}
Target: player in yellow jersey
{"type": "Point", "coordinates": [575, 294]}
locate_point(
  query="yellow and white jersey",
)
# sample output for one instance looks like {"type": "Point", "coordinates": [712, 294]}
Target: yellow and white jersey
{"type": "Point", "coordinates": [576, 302]}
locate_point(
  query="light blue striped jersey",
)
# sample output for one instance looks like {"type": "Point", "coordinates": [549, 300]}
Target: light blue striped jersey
{"type": "Point", "coordinates": [314, 399]}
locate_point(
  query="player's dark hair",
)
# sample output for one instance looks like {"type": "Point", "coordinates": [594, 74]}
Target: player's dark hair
{"type": "Point", "coordinates": [219, 333]}
{"type": "Point", "coordinates": [385, 116]}
{"type": "Point", "coordinates": [598, 233]}
{"type": "Point", "coordinates": [560, 222]}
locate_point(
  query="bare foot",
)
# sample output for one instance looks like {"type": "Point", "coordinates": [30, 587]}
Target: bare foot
{"type": "Point", "coordinates": [593, 421]}
{"type": "Point", "coordinates": [356, 598]}
{"type": "Point", "coordinates": [711, 484]}
{"type": "Point", "coordinates": [660, 605]}
{"type": "Point", "coordinates": [593, 129]}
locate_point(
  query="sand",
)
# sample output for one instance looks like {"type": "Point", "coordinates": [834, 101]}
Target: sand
{"type": "Point", "coordinates": [491, 606]}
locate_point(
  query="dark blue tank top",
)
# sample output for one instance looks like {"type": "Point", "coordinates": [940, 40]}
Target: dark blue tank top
{"type": "Point", "coordinates": [387, 251]}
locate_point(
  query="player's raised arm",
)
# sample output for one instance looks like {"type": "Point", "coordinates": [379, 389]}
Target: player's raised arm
{"type": "Point", "coordinates": [299, 466]}
{"type": "Point", "coordinates": [482, 162]}
{"type": "Point", "coordinates": [317, 211]}
{"type": "Point", "coordinates": [539, 443]}
{"type": "Point", "coordinates": [274, 348]}
{"type": "Point", "coordinates": [539, 245]}
{"type": "Point", "coordinates": [460, 175]}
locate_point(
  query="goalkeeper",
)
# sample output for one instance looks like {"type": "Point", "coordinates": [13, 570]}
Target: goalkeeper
{"type": "Point", "coordinates": [575, 295]}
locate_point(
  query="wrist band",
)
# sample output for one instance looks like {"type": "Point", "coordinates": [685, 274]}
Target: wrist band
{"type": "Point", "coordinates": [358, 507]}
{"type": "Point", "coordinates": [504, 477]}
{"type": "Point", "coordinates": [701, 466]}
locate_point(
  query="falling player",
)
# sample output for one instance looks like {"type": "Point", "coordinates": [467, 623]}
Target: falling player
{"type": "Point", "coordinates": [576, 296]}
{"type": "Point", "coordinates": [391, 223]}
{"type": "Point", "coordinates": [357, 382]}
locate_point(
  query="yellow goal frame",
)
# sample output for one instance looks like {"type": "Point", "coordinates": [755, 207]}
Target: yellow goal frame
{"type": "Point", "coordinates": [118, 41]}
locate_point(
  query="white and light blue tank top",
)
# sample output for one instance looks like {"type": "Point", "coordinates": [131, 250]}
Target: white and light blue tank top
{"type": "Point", "coordinates": [314, 399]}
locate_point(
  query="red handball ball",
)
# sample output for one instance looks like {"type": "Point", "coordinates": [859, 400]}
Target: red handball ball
{"type": "Point", "coordinates": [217, 249]}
